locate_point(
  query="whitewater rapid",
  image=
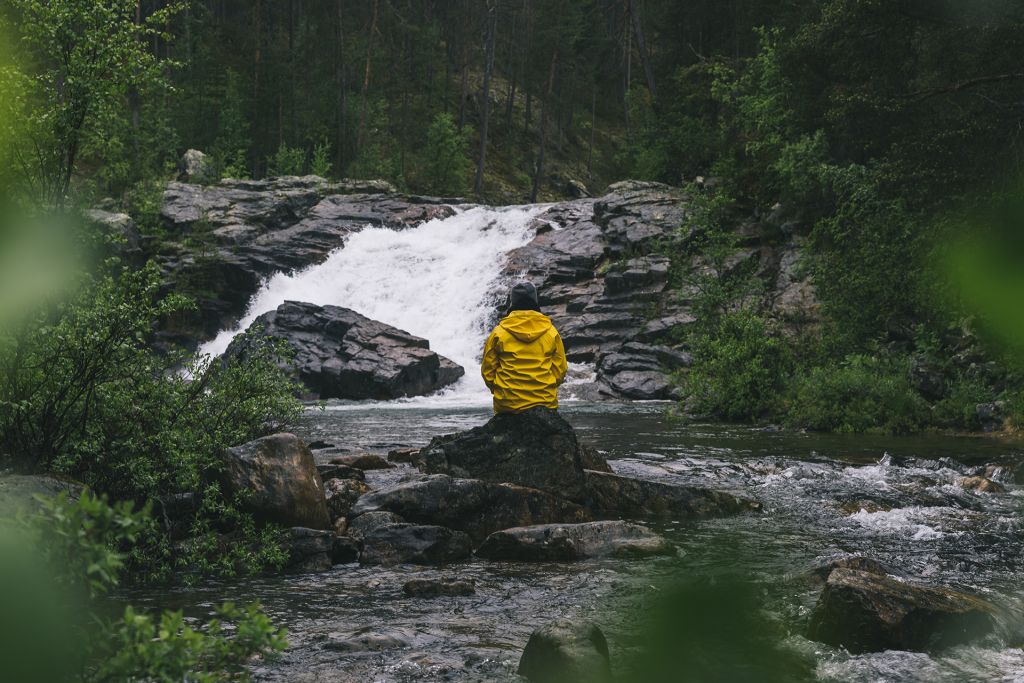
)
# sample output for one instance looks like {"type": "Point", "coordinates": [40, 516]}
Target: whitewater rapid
{"type": "Point", "coordinates": [440, 280]}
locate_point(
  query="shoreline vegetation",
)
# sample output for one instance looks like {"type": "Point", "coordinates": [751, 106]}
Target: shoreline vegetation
{"type": "Point", "coordinates": [896, 166]}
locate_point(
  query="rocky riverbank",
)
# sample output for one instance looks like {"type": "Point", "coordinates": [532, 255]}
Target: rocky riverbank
{"type": "Point", "coordinates": [599, 265]}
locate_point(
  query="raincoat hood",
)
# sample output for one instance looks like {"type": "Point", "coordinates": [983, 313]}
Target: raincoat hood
{"type": "Point", "coordinates": [526, 326]}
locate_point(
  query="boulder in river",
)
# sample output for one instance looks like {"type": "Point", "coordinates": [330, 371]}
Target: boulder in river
{"type": "Point", "coordinates": [362, 461]}
{"type": "Point", "coordinates": [342, 494]}
{"type": "Point", "coordinates": [536, 448]}
{"type": "Point", "coordinates": [342, 354]}
{"type": "Point", "coordinates": [569, 542]}
{"type": "Point", "coordinates": [479, 508]}
{"type": "Point", "coordinates": [309, 550]}
{"type": "Point", "coordinates": [867, 612]}
{"type": "Point", "coordinates": [278, 479]}
{"type": "Point", "coordinates": [368, 522]}
{"type": "Point", "coordinates": [611, 494]}
{"type": "Point", "coordinates": [564, 652]}
{"type": "Point", "coordinates": [414, 544]}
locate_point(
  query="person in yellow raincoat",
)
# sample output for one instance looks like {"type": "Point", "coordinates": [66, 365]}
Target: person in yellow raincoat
{"type": "Point", "coordinates": [524, 360]}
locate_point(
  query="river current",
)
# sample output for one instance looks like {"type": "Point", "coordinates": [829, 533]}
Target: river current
{"type": "Point", "coordinates": [894, 499]}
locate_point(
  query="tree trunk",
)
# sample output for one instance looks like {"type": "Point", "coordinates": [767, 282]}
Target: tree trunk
{"type": "Point", "coordinates": [339, 81]}
{"type": "Point", "coordinates": [492, 21]}
{"type": "Point", "coordinates": [641, 46]}
{"type": "Point", "coordinates": [539, 169]}
{"type": "Point", "coordinates": [366, 77]}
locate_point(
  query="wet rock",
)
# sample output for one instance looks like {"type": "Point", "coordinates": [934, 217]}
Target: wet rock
{"type": "Point", "coordinates": [278, 480]}
{"type": "Point", "coordinates": [363, 461]}
{"type": "Point", "coordinates": [262, 227]}
{"type": "Point", "coordinates": [405, 455]}
{"type": "Point", "coordinates": [344, 550]}
{"type": "Point", "coordinates": [414, 544]}
{"type": "Point", "coordinates": [340, 526]}
{"type": "Point", "coordinates": [535, 448]}
{"type": "Point", "coordinates": [368, 640]}
{"type": "Point", "coordinates": [371, 521]}
{"type": "Point", "coordinates": [479, 508]}
{"type": "Point", "coordinates": [123, 231]}
{"type": "Point", "coordinates": [320, 445]}
{"type": "Point", "coordinates": [434, 588]}
{"type": "Point", "coordinates": [195, 167]}
{"type": "Point", "coordinates": [570, 542]}
{"type": "Point", "coordinates": [857, 562]}
{"type": "Point", "coordinates": [18, 491]}
{"type": "Point", "coordinates": [866, 612]}
{"type": "Point", "coordinates": [614, 495]}
{"type": "Point", "coordinates": [981, 485]}
{"type": "Point", "coordinates": [342, 354]}
{"type": "Point", "coordinates": [342, 494]}
{"type": "Point", "coordinates": [852, 507]}
{"type": "Point", "coordinates": [328, 472]}
{"type": "Point", "coordinates": [564, 652]}
{"type": "Point", "coordinates": [309, 550]}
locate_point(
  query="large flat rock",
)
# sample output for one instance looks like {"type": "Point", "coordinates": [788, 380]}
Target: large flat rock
{"type": "Point", "coordinates": [477, 507]}
{"type": "Point", "coordinates": [339, 353]}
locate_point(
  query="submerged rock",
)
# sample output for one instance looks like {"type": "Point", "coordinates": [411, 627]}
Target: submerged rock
{"type": "Point", "coordinates": [981, 485]}
{"type": "Point", "coordinates": [434, 588]}
{"type": "Point", "coordinates": [564, 652]}
{"type": "Point", "coordinates": [611, 494]}
{"type": "Point", "coordinates": [535, 448]}
{"type": "Point", "coordinates": [569, 542]}
{"type": "Point", "coordinates": [868, 612]}
{"type": "Point", "coordinates": [278, 481]}
{"type": "Point", "coordinates": [479, 508]}
{"type": "Point", "coordinates": [415, 544]}
{"type": "Point", "coordinates": [342, 354]}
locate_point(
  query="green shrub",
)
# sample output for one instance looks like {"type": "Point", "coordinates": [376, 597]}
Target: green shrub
{"type": "Point", "coordinates": [286, 161]}
{"type": "Point", "coordinates": [84, 395]}
{"type": "Point", "coordinates": [860, 394]}
{"type": "Point", "coordinates": [80, 546]}
{"type": "Point", "coordinates": [739, 369]}
{"type": "Point", "coordinates": [444, 165]}
{"type": "Point", "coordinates": [958, 409]}
{"type": "Point", "coordinates": [321, 165]}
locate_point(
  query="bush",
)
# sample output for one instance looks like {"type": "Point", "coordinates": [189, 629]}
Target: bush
{"type": "Point", "coordinates": [321, 162]}
{"type": "Point", "coordinates": [79, 546]}
{"type": "Point", "coordinates": [286, 161]}
{"type": "Point", "coordinates": [860, 394]}
{"type": "Point", "coordinates": [83, 395]}
{"type": "Point", "coordinates": [444, 166]}
{"type": "Point", "coordinates": [739, 369]}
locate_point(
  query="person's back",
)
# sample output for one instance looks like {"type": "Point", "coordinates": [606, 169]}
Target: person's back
{"type": "Point", "coordinates": [524, 360]}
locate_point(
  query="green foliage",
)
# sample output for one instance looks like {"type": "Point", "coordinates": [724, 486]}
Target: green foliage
{"type": "Point", "coordinates": [705, 254]}
{"type": "Point", "coordinates": [80, 538]}
{"type": "Point", "coordinates": [860, 393]}
{"type": "Point", "coordinates": [230, 147]}
{"type": "Point", "coordinates": [165, 648]}
{"type": "Point", "coordinates": [739, 368]}
{"type": "Point", "coordinates": [287, 161]}
{"type": "Point", "coordinates": [81, 544]}
{"type": "Point", "coordinates": [321, 165]}
{"type": "Point", "coordinates": [444, 164]}
{"type": "Point", "coordinates": [84, 395]}
{"type": "Point", "coordinates": [87, 58]}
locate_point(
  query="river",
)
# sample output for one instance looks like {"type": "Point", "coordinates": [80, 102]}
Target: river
{"type": "Point", "coordinates": [894, 499]}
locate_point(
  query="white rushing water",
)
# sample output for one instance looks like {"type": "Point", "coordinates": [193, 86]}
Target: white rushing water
{"type": "Point", "coordinates": [436, 281]}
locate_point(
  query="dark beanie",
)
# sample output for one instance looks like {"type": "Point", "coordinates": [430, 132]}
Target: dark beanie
{"type": "Point", "coordinates": [523, 297]}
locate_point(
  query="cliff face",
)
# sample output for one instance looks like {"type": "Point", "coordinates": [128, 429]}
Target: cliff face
{"type": "Point", "coordinates": [601, 265]}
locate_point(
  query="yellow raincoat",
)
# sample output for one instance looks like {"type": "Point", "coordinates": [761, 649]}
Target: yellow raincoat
{"type": "Point", "coordinates": [524, 362]}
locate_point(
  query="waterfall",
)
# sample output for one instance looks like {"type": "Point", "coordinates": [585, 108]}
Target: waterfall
{"type": "Point", "coordinates": [437, 281]}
